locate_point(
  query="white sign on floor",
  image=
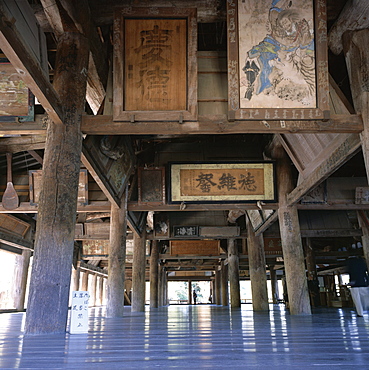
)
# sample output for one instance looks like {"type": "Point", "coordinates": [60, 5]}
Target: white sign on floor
{"type": "Point", "coordinates": [79, 312]}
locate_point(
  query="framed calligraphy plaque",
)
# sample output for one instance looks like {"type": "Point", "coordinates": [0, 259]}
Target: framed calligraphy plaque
{"type": "Point", "coordinates": [221, 182]}
{"type": "Point", "coordinates": [277, 60]}
{"type": "Point", "coordinates": [155, 64]}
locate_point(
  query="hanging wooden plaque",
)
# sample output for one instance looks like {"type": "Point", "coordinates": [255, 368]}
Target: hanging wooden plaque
{"type": "Point", "coordinates": [155, 64]}
{"type": "Point", "coordinates": [221, 182]}
{"type": "Point", "coordinates": [277, 60]}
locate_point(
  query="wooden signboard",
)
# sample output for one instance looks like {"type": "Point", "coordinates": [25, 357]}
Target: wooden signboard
{"type": "Point", "coordinates": [155, 64]}
{"type": "Point", "coordinates": [151, 185]}
{"type": "Point", "coordinates": [221, 182]}
{"type": "Point", "coordinates": [277, 60]}
{"type": "Point", "coordinates": [35, 181]}
{"type": "Point", "coordinates": [16, 100]}
{"type": "Point", "coordinates": [196, 247]}
{"type": "Point", "coordinates": [95, 248]}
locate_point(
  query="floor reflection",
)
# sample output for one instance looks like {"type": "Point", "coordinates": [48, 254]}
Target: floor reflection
{"type": "Point", "coordinates": [194, 336]}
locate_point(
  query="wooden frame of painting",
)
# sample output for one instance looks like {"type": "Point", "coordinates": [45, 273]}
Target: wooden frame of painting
{"type": "Point", "coordinates": [277, 60]}
{"type": "Point", "coordinates": [219, 182]}
{"type": "Point", "coordinates": [155, 64]}
{"type": "Point", "coordinates": [17, 103]}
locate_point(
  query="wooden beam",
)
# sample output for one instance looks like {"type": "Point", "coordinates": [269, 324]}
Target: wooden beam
{"type": "Point", "coordinates": [354, 16]}
{"type": "Point", "coordinates": [23, 60]}
{"type": "Point", "coordinates": [104, 125]}
{"type": "Point", "coordinates": [22, 143]}
{"type": "Point", "coordinates": [95, 206]}
{"type": "Point", "coordinates": [134, 206]}
{"type": "Point", "coordinates": [219, 124]}
{"type": "Point", "coordinates": [336, 159]}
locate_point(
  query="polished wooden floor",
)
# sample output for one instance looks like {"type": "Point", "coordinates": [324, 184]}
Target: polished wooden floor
{"type": "Point", "coordinates": [190, 337]}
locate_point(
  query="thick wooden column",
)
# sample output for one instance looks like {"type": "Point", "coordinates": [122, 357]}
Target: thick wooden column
{"type": "Point", "coordinates": [257, 267]}
{"type": "Point", "coordinates": [355, 47]}
{"type": "Point", "coordinates": [138, 273]}
{"type": "Point", "coordinates": [218, 292]}
{"type": "Point", "coordinates": [274, 284]}
{"type": "Point", "coordinates": [224, 284]}
{"type": "Point", "coordinates": [47, 309]}
{"type": "Point", "coordinates": [154, 274]}
{"type": "Point", "coordinates": [21, 275]}
{"type": "Point", "coordinates": [234, 274]}
{"type": "Point", "coordinates": [117, 259]}
{"type": "Point", "coordinates": [293, 255]}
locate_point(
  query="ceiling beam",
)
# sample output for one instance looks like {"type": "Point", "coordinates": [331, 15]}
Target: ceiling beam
{"type": "Point", "coordinates": [104, 125]}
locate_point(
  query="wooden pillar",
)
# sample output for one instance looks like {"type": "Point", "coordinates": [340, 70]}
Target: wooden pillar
{"type": "Point", "coordinates": [189, 291]}
{"type": "Point", "coordinates": [234, 274]}
{"type": "Point", "coordinates": [257, 269]}
{"type": "Point", "coordinates": [165, 288]}
{"type": "Point", "coordinates": [355, 47]}
{"type": "Point", "coordinates": [93, 297]}
{"type": "Point", "coordinates": [364, 224]}
{"type": "Point", "coordinates": [160, 289]}
{"type": "Point", "coordinates": [76, 277]}
{"type": "Point", "coordinates": [218, 295]}
{"type": "Point", "coordinates": [154, 274]}
{"type": "Point", "coordinates": [138, 273]}
{"type": "Point", "coordinates": [21, 275]}
{"type": "Point", "coordinates": [47, 309]}
{"type": "Point", "coordinates": [224, 284]}
{"type": "Point", "coordinates": [117, 259]}
{"type": "Point", "coordinates": [101, 290]}
{"type": "Point", "coordinates": [274, 284]}
{"type": "Point", "coordinates": [293, 255]}
{"type": "Point", "coordinates": [312, 274]}
{"type": "Point", "coordinates": [84, 286]}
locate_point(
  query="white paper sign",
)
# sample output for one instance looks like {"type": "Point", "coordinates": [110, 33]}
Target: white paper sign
{"type": "Point", "coordinates": [79, 312]}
